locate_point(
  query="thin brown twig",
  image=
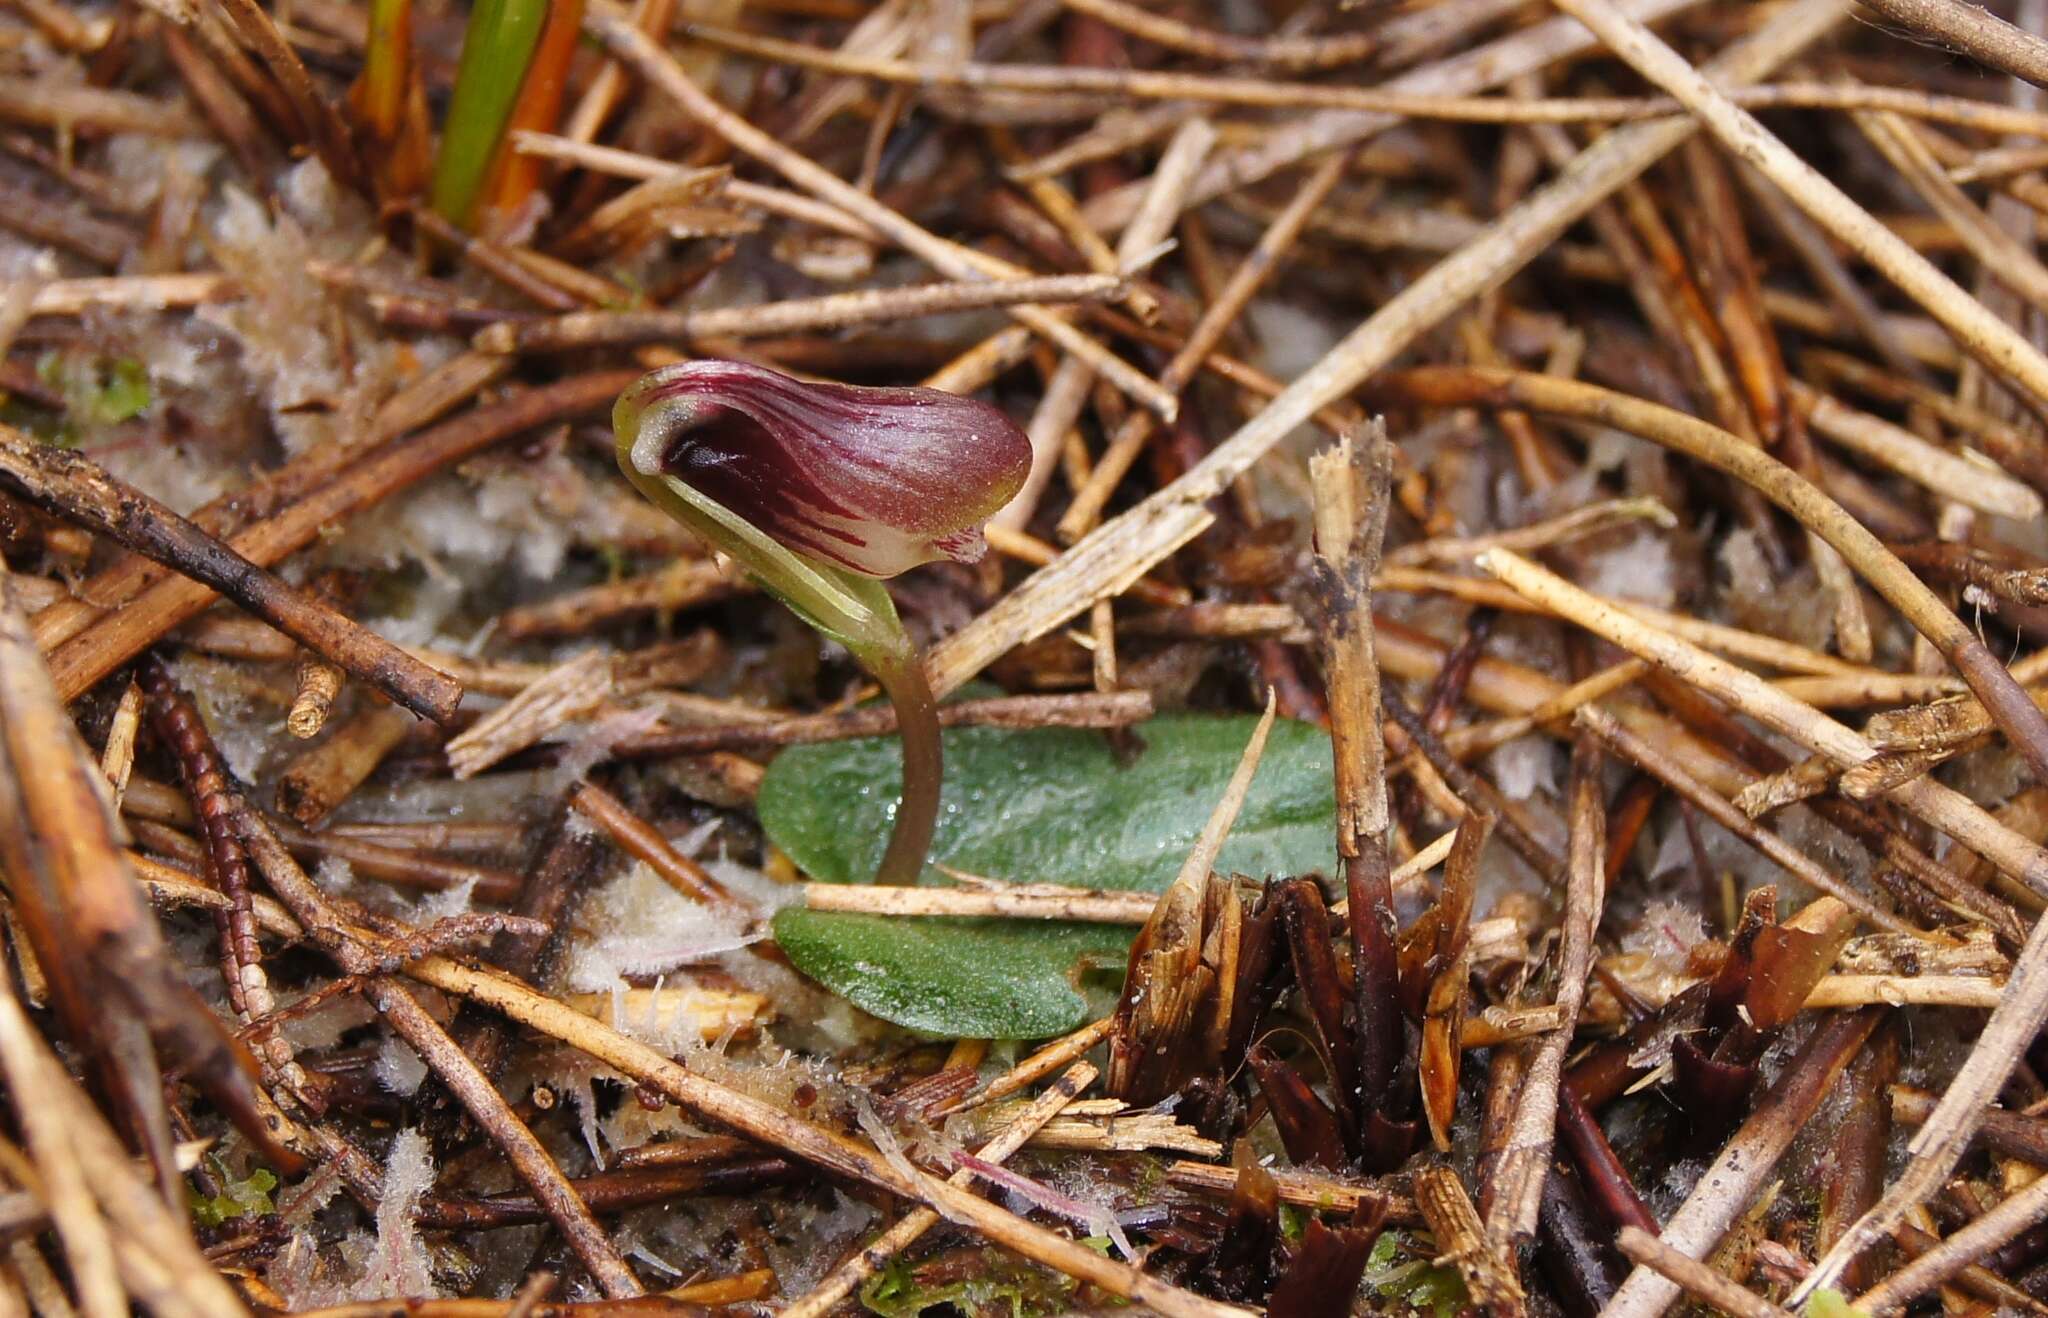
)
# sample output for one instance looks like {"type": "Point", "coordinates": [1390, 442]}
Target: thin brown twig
{"type": "Point", "coordinates": [318, 115]}
{"type": "Point", "coordinates": [80, 895]}
{"type": "Point", "coordinates": [1975, 31]}
{"type": "Point", "coordinates": [1127, 547]}
{"type": "Point", "coordinates": [593, 329]}
{"type": "Point", "coordinates": [1065, 213]}
{"type": "Point", "coordinates": [632, 47]}
{"type": "Point", "coordinates": [488, 1108]}
{"type": "Point", "coordinates": [78, 488]}
{"type": "Point", "coordinates": [116, 637]}
{"type": "Point", "coordinates": [1034, 1068]}
{"type": "Point", "coordinates": [1729, 1185]}
{"type": "Point", "coordinates": [640, 840]}
{"type": "Point", "coordinates": [2013, 1134]}
{"type": "Point", "coordinates": [2017, 1212]}
{"type": "Point", "coordinates": [1698, 1279]}
{"type": "Point", "coordinates": [828, 1149]}
{"type": "Point", "coordinates": [1974, 1278]}
{"type": "Point", "coordinates": [2014, 712]}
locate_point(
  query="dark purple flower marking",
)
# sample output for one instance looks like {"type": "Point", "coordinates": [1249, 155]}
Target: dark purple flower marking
{"type": "Point", "coordinates": [873, 480]}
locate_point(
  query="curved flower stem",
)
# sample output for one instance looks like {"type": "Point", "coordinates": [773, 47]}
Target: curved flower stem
{"type": "Point", "coordinates": [783, 431]}
{"type": "Point", "coordinates": [917, 720]}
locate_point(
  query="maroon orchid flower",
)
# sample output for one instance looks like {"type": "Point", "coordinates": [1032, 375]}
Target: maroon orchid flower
{"type": "Point", "coordinates": [875, 481]}
{"type": "Point", "coordinates": [819, 489]}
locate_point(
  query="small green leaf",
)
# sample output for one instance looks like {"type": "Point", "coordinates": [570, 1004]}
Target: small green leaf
{"type": "Point", "coordinates": [1828, 1303]}
{"type": "Point", "coordinates": [1417, 1285]}
{"type": "Point", "coordinates": [124, 393]}
{"type": "Point", "coordinates": [966, 979]}
{"type": "Point", "coordinates": [1044, 806]}
{"type": "Point", "coordinates": [248, 1197]}
{"type": "Point", "coordinates": [1005, 1283]}
{"type": "Point", "coordinates": [97, 393]}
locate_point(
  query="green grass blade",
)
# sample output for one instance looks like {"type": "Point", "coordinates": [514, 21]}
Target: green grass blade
{"type": "Point", "coordinates": [496, 49]}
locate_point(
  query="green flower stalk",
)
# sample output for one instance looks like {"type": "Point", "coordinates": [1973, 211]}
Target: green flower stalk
{"type": "Point", "coordinates": [819, 490]}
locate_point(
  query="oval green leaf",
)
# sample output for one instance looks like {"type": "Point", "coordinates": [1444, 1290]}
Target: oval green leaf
{"type": "Point", "coordinates": [1041, 806]}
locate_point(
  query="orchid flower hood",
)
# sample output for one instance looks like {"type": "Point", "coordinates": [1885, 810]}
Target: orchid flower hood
{"type": "Point", "coordinates": [871, 480]}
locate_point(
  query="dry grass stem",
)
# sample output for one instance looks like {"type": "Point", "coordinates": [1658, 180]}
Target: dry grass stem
{"type": "Point", "coordinates": [2013, 711]}
{"type": "Point", "coordinates": [117, 754]}
{"type": "Point", "coordinates": [1052, 901]}
{"type": "Point", "coordinates": [1024, 902]}
{"type": "Point", "coordinates": [1104, 563]}
{"type": "Point", "coordinates": [589, 329]}
{"type": "Point", "coordinates": [1699, 1280]}
{"type": "Point", "coordinates": [2018, 1212]}
{"type": "Point", "coordinates": [1979, 331]}
{"type": "Point", "coordinates": [1977, 484]}
{"type": "Point", "coordinates": [900, 1236]}
{"type": "Point", "coordinates": [1941, 806]}
{"type": "Point", "coordinates": [572, 690]}
{"type": "Point", "coordinates": [660, 69]}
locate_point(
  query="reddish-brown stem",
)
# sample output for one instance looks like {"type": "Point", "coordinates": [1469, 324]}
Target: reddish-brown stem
{"type": "Point", "coordinates": [917, 811]}
{"type": "Point", "coordinates": [1605, 1181]}
{"type": "Point", "coordinates": [178, 726]}
{"type": "Point", "coordinates": [515, 174]}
